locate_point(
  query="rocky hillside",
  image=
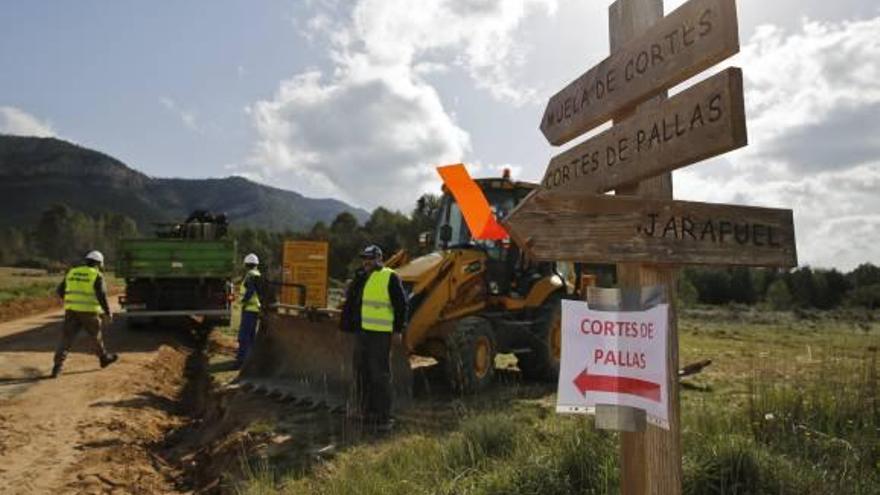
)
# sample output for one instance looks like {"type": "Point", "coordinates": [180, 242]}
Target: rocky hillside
{"type": "Point", "coordinates": [36, 173]}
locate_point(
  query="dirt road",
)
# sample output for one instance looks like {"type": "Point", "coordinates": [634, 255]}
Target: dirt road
{"type": "Point", "coordinates": [90, 430]}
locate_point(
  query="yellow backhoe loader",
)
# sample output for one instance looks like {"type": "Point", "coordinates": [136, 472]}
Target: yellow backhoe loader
{"type": "Point", "coordinates": [469, 300]}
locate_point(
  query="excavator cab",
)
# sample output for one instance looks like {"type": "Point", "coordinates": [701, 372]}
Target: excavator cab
{"type": "Point", "coordinates": [508, 271]}
{"type": "Point", "coordinates": [502, 256]}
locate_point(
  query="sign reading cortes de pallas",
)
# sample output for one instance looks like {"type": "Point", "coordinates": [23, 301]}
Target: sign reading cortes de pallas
{"type": "Point", "coordinates": [614, 358]}
{"type": "Point", "coordinates": [705, 120]}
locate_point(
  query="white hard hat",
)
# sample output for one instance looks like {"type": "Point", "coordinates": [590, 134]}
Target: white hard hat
{"type": "Point", "coordinates": [251, 259]}
{"type": "Point", "coordinates": [95, 256]}
{"type": "Point", "coordinates": [372, 252]}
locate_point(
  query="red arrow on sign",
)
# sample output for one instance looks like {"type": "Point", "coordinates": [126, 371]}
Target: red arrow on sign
{"type": "Point", "coordinates": [619, 384]}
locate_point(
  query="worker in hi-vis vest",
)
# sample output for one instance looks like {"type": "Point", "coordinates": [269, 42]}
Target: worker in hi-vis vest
{"type": "Point", "coordinates": [376, 310]}
{"type": "Point", "coordinates": [251, 289]}
{"type": "Point", "coordinates": [85, 308]}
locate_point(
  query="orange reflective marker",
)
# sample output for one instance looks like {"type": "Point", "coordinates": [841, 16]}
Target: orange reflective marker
{"type": "Point", "coordinates": [472, 203]}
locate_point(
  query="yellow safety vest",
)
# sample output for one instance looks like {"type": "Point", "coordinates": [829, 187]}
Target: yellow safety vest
{"type": "Point", "coordinates": [252, 304]}
{"type": "Point", "coordinates": [79, 290]}
{"type": "Point", "coordinates": [377, 314]}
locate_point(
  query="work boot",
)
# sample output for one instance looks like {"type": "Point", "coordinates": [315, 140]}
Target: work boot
{"type": "Point", "coordinates": [108, 359]}
{"type": "Point", "coordinates": [56, 370]}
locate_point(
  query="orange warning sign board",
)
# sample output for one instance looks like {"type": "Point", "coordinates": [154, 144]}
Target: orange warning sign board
{"type": "Point", "coordinates": [472, 203]}
{"type": "Point", "coordinates": [305, 262]}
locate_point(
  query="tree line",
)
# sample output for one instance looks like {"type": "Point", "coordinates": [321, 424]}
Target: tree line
{"type": "Point", "coordinates": [803, 287]}
{"type": "Point", "coordinates": [62, 235]}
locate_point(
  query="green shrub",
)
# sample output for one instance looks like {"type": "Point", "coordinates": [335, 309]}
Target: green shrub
{"type": "Point", "coordinates": [260, 479]}
{"type": "Point", "coordinates": [867, 296]}
{"type": "Point", "coordinates": [482, 437]}
{"type": "Point", "coordinates": [688, 295]}
{"type": "Point", "coordinates": [566, 456]}
{"type": "Point", "coordinates": [733, 464]}
{"type": "Point", "coordinates": [490, 453]}
{"type": "Point", "coordinates": [778, 295]}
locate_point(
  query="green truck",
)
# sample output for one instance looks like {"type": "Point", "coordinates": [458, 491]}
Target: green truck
{"type": "Point", "coordinates": [185, 271]}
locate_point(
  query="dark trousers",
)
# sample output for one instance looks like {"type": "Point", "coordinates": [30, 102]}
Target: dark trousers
{"type": "Point", "coordinates": [247, 332]}
{"type": "Point", "coordinates": [74, 321]}
{"type": "Point", "coordinates": [373, 369]}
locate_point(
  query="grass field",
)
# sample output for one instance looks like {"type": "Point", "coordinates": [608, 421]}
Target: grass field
{"type": "Point", "coordinates": [25, 291]}
{"type": "Point", "coordinates": [24, 283]}
{"type": "Point", "coordinates": [789, 406]}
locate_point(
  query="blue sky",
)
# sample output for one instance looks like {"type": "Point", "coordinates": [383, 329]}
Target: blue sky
{"type": "Point", "coordinates": [99, 71]}
{"type": "Point", "coordinates": [359, 99]}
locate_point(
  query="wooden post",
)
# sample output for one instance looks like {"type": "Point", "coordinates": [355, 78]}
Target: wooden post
{"type": "Point", "coordinates": [650, 460]}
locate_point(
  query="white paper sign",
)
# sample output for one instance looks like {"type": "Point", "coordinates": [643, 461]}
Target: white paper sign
{"type": "Point", "coordinates": [616, 358]}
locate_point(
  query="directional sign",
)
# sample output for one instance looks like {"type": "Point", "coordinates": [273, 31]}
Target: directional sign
{"type": "Point", "coordinates": [614, 358]}
{"type": "Point", "coordinates": [615, 229]}
{"type": "Point", "coordinates": [697, 35]}
{"type": "Point", "coordinates": [703, 121]}
{"type": "Point", "coordinates": [305, 263]}
{"type": "Point", "coordinates": [586, 382]}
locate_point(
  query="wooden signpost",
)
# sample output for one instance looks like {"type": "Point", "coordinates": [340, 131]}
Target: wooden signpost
{"type": "Point", "coordinates": [694, 37]}
{"type": "Point", "coordinates": [642, 228]}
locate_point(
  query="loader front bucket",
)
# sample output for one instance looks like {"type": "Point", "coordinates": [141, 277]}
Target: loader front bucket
{"type": "Point", "coordinates": [307, 358]}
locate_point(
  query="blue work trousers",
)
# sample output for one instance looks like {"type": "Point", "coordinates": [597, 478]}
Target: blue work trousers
{"type": "Point", "coordinates": [247, 332]}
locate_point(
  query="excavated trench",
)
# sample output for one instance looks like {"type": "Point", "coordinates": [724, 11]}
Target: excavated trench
{"type": "Point", "coordinates": [229, 427]}
{"type": "Point", "coordinates": [235, 431]}
{"type": "Point", "coordinates": [232, 430]}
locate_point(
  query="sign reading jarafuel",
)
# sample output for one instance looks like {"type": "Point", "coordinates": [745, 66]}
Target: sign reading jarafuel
{"type": "Point", "coordinates": [614, 358]}
{"type": "Point", "coordinates": [573, 226]}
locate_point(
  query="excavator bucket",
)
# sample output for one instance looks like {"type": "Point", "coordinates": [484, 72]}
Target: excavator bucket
{"type": "Point", "coordinates": [305, 357]}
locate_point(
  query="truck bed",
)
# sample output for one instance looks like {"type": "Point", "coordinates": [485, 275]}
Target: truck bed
{"type": "Point", "coordinates": [175, 258]}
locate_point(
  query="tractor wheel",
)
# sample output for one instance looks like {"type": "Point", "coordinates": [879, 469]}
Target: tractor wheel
{"type": "Point", "coordinates": [470, 355]}
{"type": "Point", "coordinates": [542, 363]}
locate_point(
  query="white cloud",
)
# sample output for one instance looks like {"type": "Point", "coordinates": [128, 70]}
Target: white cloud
{"type": "Point", "coordinates": [18, 122]}
{"type": "Point", "coordinates": [818, 83]}
{"type": "Point", "coordinates": [813, 102]}
{"type": "Point", "coordinates": [367, 138]}
{"type": "Point", "coordinates": [478, 35]}
{"type": "Point", "coordinates": [186, 116]}
{"type": "Point", "coordinates": [371, 130]}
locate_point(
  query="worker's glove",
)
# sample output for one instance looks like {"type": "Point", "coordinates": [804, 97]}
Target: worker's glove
{"type": "Point", "coordinates": [108, 318]}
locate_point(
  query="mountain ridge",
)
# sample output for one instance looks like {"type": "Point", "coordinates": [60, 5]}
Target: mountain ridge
{"type": "Point", "coordinates": [36, 173]}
